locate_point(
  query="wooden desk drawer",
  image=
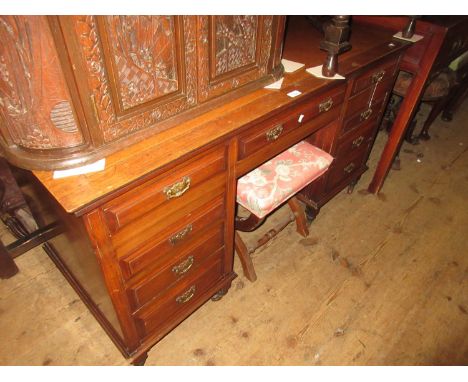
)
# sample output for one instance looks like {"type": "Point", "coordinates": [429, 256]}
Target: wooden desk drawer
{"type": "Point", "coordinates": [181, 299]}
{"type": "Point", "coordinates": [181, 266]}
{"type": "Point", "coordinates": [277, 128]}
{"type": "Point", "coordinates": [164, 191]}
{"type": "Point", "coordinates": [360, 138]}
{"type": "Point", "coordinates": [346, 166]}
{"type": "Point", "coordinates": [381, 73]}
{"type": "Point", "coordinates": [174, 238]}
{"type": "Point", "coordinates": [363, 116]}
{"type": "Point", "coordinates": [144, 230]}
{"type": "Point", "coordinates": [360, 102]}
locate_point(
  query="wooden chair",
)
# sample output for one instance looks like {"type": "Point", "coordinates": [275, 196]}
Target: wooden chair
{"type": "Point", "coordinates": [16, 214]}
{"type": "Point", "coordinates": [460, 91]}
{"type": "Point", "coordinates": [272, 184]}
{"type": "Point", "coordinates": [435, 94]}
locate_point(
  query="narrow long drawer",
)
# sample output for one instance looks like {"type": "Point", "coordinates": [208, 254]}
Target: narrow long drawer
{"type": "Point", "coordinates": [183, 265]}
{"type": "Point", "coordinates": [175, 239]}
{"type": "Point", "coordinates": [164, 190]}
{"type": "Point", "coordinates": [277, 128]}
{"type": "Point", "coordinates": [178, 300]}
{"type": "Point", "coordinates": [381, 73]}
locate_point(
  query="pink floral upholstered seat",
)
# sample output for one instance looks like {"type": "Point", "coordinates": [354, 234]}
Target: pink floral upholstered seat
{"type": "Point", "coordinates": [265, 188]}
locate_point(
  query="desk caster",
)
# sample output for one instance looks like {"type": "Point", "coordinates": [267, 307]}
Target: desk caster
{"type": "Point", "coordinates": [220, 294]}
{"type": "Point", "coordinates": [311, 214]}
{"type": "Point", "coordinates": [351, 186]}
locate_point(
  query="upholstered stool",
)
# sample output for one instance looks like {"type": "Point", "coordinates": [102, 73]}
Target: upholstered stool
{"type": "Point", "coordinates": [273, 183]}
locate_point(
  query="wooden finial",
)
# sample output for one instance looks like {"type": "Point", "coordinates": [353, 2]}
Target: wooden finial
{"type": "Point", "coordinates": [335, 42]}
{"type": "Point", "coordinates": [408, 32]}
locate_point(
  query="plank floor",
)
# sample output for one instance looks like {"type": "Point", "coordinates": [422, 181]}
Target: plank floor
{"type": "Point", "coordinates": [381, 280]}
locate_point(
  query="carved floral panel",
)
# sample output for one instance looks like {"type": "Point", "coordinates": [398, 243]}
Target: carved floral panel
{"type": "Point", "coordinates": [127, 70]}
{"type": "Point", "coordinates": [235, 42]}
{"type": "Point", "coordinates": [35, 106]}
{"type": "Point", "coordinates": [232, 51]}
{"type": "Point", "coordinates": [143, 53]}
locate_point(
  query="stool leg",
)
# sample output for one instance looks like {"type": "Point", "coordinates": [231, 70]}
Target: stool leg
{"type": "Point", "coordinates": [245, 259]}
{"type": "Point", "coordinates": [8, 267]}
{"type": "Point", "coordinates": [301, 221]}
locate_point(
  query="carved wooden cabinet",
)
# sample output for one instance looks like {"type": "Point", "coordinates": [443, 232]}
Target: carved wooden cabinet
{"type": "Point", "coordinates": [76, 88]}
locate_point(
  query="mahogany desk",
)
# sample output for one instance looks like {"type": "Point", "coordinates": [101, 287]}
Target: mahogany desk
{"type": "Point", "coordinates": [445, 38]}
{"type": "Point", "coordinates": [150, 239]}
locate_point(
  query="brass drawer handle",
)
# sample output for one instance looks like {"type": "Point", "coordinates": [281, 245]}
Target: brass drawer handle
{"type": "Point", "coordinates": [358, 141]}
{"type": "Point", "coordinates": [366, 114]}
{"type": "Point", "coordinates": [326, 105]}
{"type": "Point", "coordinates": [186, 296]}
{"type": "Point", "coordinates": [349, 168]}
{"type": "Point", "coordinates": [177, 189]}
{"type": "Point", "coordinates": [274, 133]}
{"type": "Point", "coordinates": [180, 235]}
{"type": "Point", "coordinates": [377, 77]}
{"type": "Point", "coordinates": [184, 266]}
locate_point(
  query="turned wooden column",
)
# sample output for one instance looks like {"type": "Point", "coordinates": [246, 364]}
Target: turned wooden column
{"type": "Point", "coordinates": [336, 41]}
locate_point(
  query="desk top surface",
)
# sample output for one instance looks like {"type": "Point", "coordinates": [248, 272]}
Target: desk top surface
{"type": "Point", "coordinates": [146, 158]}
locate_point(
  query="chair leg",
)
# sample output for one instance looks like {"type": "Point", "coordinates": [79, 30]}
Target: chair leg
{"type": "Point", "coordinates": [436, 109]}
{"type": "Point", "coordinates": [455, 100]}
{"type": "Point", "coordinates": [244, 257]}
{"type": "Point", "coordinates": [301, 221]}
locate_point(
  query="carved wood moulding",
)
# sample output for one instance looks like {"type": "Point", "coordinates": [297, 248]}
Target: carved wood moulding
{"type": "Point", "coordinates": [75, 88]}
{"type": "Point", "coordinates": [120, 98]}
{"type": "Point", "coordinates": [35, 104]}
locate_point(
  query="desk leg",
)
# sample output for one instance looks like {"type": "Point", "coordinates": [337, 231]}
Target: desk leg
{"type": "Point", "coordinates": [140, 360]}
{"type": "Point", "coordinates": [405, 114]}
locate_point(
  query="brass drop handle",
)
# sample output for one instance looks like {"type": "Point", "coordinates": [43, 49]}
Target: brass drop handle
{"type": "Point", "coordinates": [326, 105]}
{"type": "Point", "coordinates": [180, 235]}
{"type": "Point", "coordinates": [274, 133]}
{"type": "Point", "coordinates": [366, 114]}
{"type": "Point", "coordinates": [184, 266]}
{"type": "Point", "coordinates": [358, 141]}
{"type": "Point", "coordinates": [377, 77]}
{"type": "Point", "coordinates": [349, 168]}
{"type": "Point", "coordinates": [178, 188]}
{"type": "Point", "coordinates": [187, 295]}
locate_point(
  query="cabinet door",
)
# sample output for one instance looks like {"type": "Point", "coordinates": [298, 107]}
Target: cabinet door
{"type": "Point", "coordinates": [234, 50]}
{"type": "Point", "coordinates": [36, 111]}
{"type": "Point", "coordinates": [132, 71]}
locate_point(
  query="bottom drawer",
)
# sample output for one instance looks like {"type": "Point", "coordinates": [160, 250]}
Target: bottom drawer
{"type": "Point", "coordinates": [179, 299]}
{"type": "Point", "coordinates": [345, 167]}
